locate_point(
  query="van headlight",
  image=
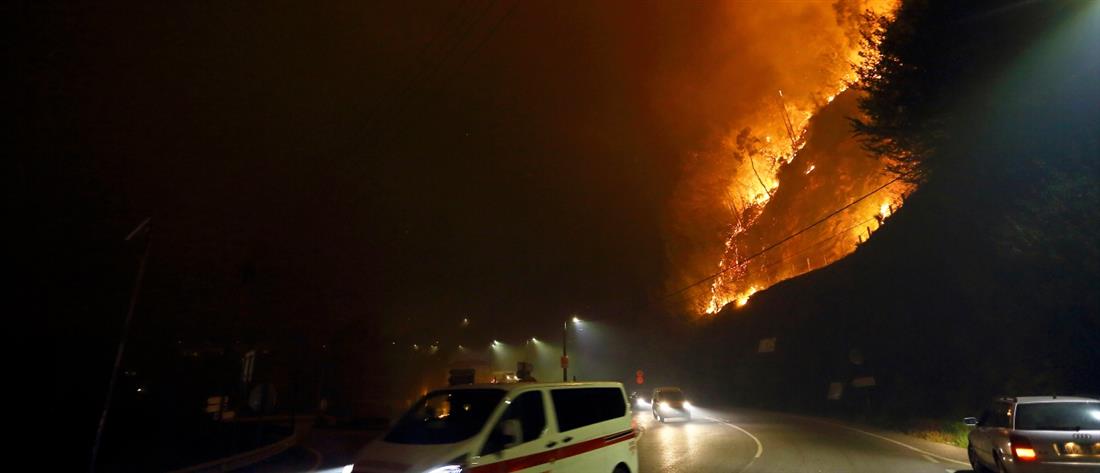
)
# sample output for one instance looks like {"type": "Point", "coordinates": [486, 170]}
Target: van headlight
{"type": "Point", "coordinates": [453, 465]}
{"type": "Point", "coordinates": [446, 469]}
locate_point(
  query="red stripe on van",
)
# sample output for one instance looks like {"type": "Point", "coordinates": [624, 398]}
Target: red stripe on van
{"type": "Point", "coordinates": [529, 461]}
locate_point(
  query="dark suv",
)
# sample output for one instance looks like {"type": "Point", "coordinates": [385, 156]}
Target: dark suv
{"type": "Point", "coordinates": [1036, 434]}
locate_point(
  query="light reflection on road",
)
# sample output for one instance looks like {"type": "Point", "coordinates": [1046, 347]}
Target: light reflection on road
{"type": "Point", "coordinates": [701, 444]}
{"type": "Point", "coordinates": [676, 442]}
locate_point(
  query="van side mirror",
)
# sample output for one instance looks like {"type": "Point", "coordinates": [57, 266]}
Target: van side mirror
{"type": "Point", "coordinates": [971, 421]}
{"type": "Point", "coordinates": [512, 431]}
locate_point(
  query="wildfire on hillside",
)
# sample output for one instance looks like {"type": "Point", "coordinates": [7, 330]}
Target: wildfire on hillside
{"type": "Point", "coordinates": [766, 186]}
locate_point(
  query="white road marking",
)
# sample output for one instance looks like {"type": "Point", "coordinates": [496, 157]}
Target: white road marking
{"type": "Point", "coordinates": [910, 447]}
{"type": "Point", "coordinates": [316, 464]}
{"type": "Point", "coordinates": [759, 446]}
{"type": "Point", "coordinates": [926, 457]}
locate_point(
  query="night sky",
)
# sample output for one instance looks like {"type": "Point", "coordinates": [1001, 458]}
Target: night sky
{"type": "Point", "coordinates": [369, 165]}
{"type": "Point", "coordinates": [395, 167]}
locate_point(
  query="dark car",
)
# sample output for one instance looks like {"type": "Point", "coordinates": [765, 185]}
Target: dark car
{"type": "Point", "coordinates": [669, 402]}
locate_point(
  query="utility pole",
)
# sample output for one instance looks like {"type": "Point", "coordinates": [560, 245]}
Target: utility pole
{"type": "Point", "coordinates": [145, 227]}
{"type": "Point", "coordinates": [564, 352]}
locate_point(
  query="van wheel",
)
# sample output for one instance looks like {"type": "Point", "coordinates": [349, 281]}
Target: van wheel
{"type": "Point", "coordinates": [620, 468]}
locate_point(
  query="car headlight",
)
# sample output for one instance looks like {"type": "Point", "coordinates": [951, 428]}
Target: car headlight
{"type": "Point", "coordinates": [687, 405]}
{"type": "Point", "coordinates": [664, 405]}
{"type": "Point", "coordinates": [347, 469]}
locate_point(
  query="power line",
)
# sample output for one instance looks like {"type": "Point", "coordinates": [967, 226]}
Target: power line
{"type": "Point", "coordinates": [379, 134]}
{"type": "Point", "coordinates": [412, 71]}
{"type": "Point", "coordinates": [423, 74]}
{"type": "Point", "coordinates": [788, 237]}
{"type": "Point", "coordinates": [810, 247]}
{"type": "Point", "coordinates": [489, 35]}
{"type": "Point", "coordinates": [407, 100]}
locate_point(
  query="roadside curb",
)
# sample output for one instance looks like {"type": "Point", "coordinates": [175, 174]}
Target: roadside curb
{"type": "Point", "coordinates": [946, 453]}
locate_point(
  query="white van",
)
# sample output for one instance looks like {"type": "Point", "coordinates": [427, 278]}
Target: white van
{"type": "Point", "coordinates": [525, 427]}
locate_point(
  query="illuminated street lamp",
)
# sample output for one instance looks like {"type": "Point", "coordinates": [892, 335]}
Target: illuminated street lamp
{"type": "Point", "coordinates": [497, 354]}
{"type": "Point", "coordinates": [564, 352]}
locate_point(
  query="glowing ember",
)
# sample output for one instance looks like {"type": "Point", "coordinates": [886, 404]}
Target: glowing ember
{"type": "Point", "coordinates": [744, 298]}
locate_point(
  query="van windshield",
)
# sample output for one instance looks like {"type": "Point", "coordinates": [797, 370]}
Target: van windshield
{"type": "Point", "coordinates": [446, 416]}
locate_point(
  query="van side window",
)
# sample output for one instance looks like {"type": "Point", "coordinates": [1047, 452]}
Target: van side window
{"type": "Point", "coordinates": [528, 409]}
{"type": "Point", "coordinates": [579, 407]}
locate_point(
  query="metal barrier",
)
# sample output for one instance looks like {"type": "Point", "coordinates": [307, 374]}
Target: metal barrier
{"type": "Point", "coordinates": [242, 460]}
{"type": "Point", "coordinates": [302, 425]}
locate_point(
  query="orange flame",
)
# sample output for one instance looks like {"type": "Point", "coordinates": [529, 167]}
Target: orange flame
{"type": "Point", "coordinates": [756, 182]}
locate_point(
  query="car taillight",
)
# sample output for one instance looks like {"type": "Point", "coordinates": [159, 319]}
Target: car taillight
{"type": "Point", "coordinates": [1021, 449]}
{"type": "Point", "coordinates": [1024, 453]}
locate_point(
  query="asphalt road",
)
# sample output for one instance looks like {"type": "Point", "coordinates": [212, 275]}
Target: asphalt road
{"type": "Point", "coordinates": [723, 441]}
{"type": "Point", "coordinates": [733, 441]}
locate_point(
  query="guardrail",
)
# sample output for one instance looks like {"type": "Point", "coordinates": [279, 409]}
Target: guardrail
{"type": "Point", "coordinates": [242, 460]}
{"type": "Point", "coordinates": [254, 456]}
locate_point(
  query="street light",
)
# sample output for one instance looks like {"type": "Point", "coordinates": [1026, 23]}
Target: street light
{"type": "Point", "coordinates": [564, 351]}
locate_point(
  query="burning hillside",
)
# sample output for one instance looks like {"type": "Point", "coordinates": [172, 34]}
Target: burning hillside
{"type": "Point", "coordinates": [783, 157]}
{"type": "Point", "coordinates": [829, 171]}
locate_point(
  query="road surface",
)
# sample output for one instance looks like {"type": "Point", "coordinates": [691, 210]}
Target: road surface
{"type": "Point", "coordinates": [734, 441]}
